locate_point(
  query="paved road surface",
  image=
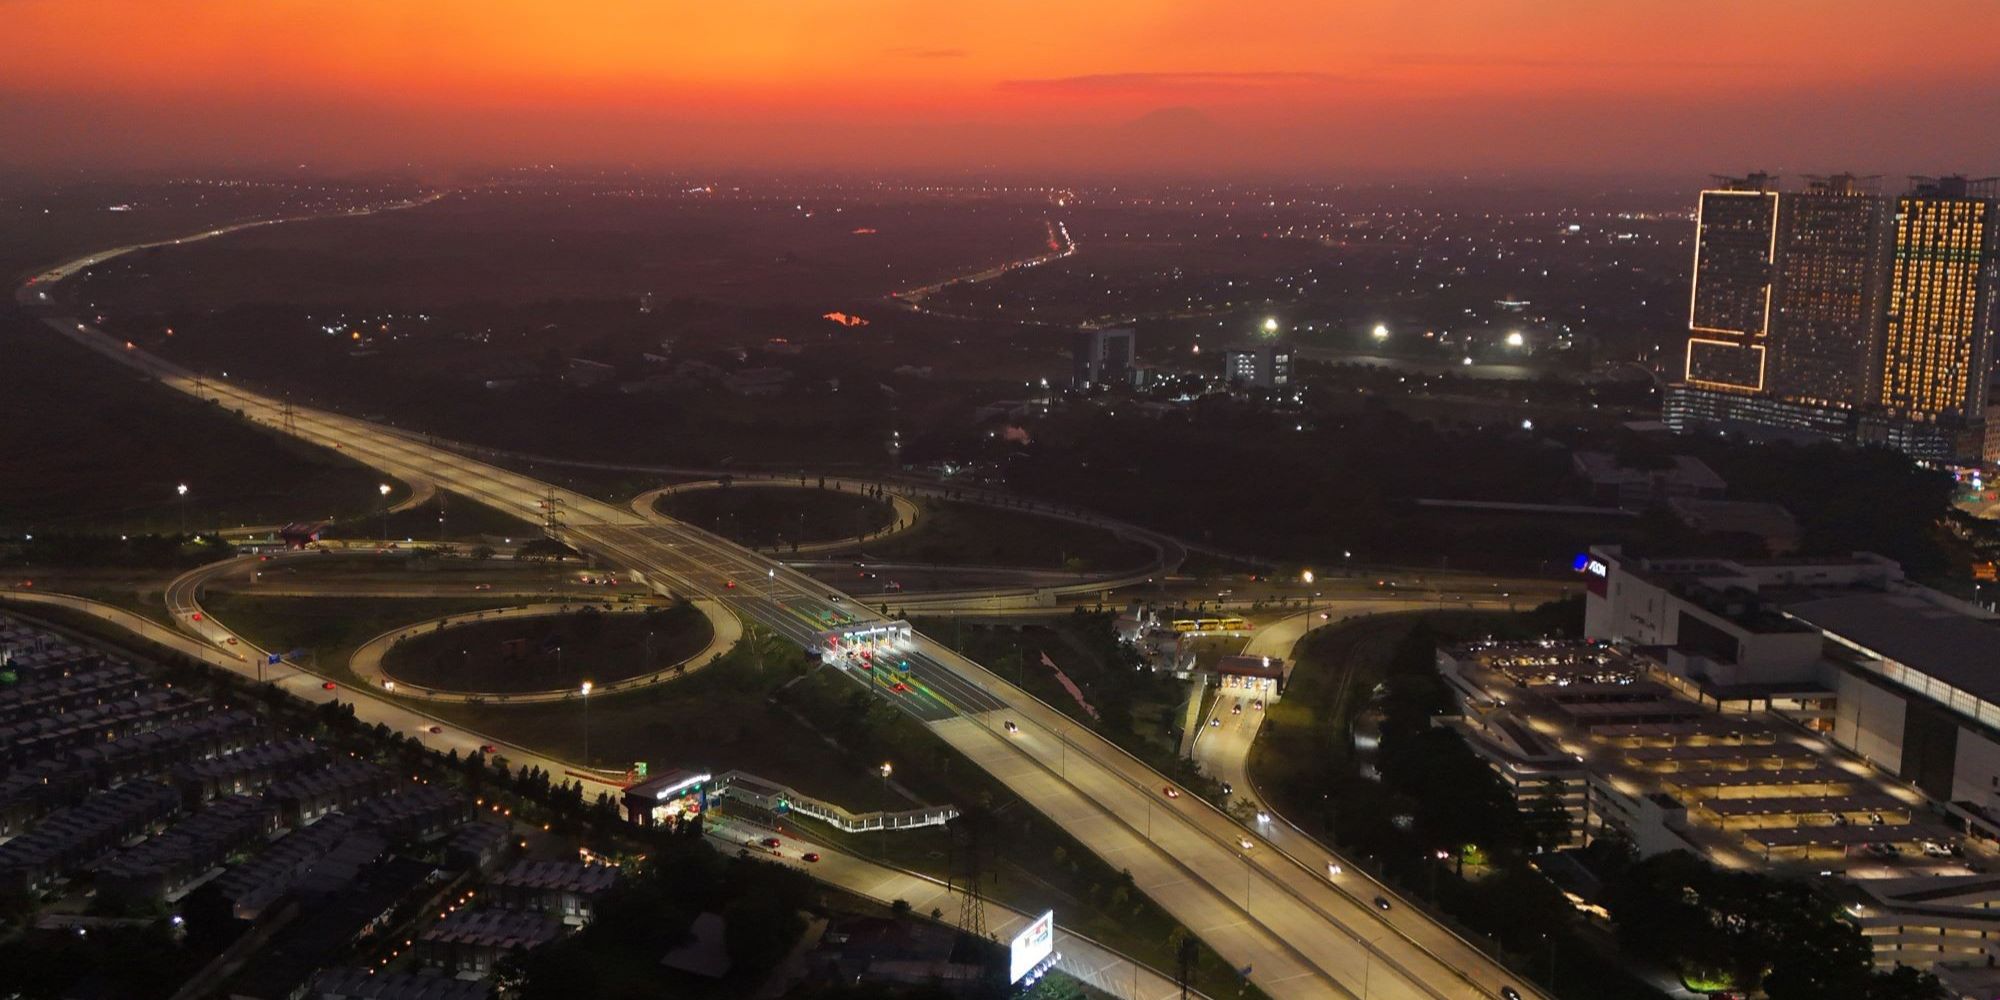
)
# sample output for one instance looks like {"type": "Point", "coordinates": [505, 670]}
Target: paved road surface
{"type": "Point", "coordinates": [1081, 957]}
{"type": "Point", "coordinates": [1260, 908]}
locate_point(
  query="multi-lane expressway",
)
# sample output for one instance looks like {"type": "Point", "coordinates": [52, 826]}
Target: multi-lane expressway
{"type": "Point", "coordinates": [1223, 749]}
{"type": "Point", "coordinates": [1270, 912]}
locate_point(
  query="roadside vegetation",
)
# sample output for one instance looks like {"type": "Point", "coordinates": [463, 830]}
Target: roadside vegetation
{"type": "Point", "coordinates": [94, 448]}
{"type": "Point", "coordinates": [549, 652]}
{"type": "Point", "coordinates": [1135, 708]}
{"type": "Point", "coordinates": [773, 516]}
{"type": "Point", "coordinates": [966, 534]}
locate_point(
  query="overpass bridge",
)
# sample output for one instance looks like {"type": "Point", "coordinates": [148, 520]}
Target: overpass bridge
{"type": "Point", "coordinates": [1265, 909]}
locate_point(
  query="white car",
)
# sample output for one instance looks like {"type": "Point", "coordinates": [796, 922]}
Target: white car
{"type": "Point", "coordinates": [1263, 817]}
{"type": "Point", "coordinates": [1332, 870]}
{"type": "Point", "coordinates": [1245, 842]}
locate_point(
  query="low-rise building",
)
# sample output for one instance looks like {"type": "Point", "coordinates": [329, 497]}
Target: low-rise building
{"type": "Point", "coordinates": [472, 942]}
{"type": "Point", "coordinates": [566, 890]}
{"type": "Point", "coordinates": [164, 865]}
{"type": "Point", "coordinates": [1611, 481]}
{"type": "Point", "coordinates": [369, 984]}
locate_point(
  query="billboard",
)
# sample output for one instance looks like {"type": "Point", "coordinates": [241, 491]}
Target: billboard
{"type": "Point", "coordinates": [1031, 947]}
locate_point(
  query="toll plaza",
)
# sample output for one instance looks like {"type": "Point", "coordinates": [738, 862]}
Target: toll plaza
{"type": "Point", "coordinates": [1262, 674]}
{"type": "Point", "coordinates": [861, 644]}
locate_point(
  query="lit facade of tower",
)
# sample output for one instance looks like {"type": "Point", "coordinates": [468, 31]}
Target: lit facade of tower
{"type": "Point", "coordinates": [1829, 275]}
{"type": "Point", "coordinates": [1938, 338]}
{"type": "Point", "coordinates": [1729, 308]}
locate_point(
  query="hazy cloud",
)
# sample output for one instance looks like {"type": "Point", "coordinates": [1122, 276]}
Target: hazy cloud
{"type": "Point", "coordinates": [1121, 83]}
{"type": "Point", "coordinates": [907, 52]}
{"type": "Point", "coordinates": [1477, 61]}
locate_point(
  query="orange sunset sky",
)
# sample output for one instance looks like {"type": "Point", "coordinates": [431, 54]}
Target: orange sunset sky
{"type": "Point", "coordinates": [1278, 86]}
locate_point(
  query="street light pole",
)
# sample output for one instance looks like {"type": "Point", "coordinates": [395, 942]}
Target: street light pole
{"type": "Point", "coordinates": [182, 490]}
{"type": "Point", "coordinates": [886, 769]}
{"type": "Point", "coordinates": [385, 512]}
{"type": "Point", "coordinates": [586, 723]}
{"type": "Point", "coordinates": [1307, 576]}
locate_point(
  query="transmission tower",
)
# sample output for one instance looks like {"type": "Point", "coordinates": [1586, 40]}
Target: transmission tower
{"type": "Point", "coordinates": [967, 869]}
{"type": "Point", "coordinates": [288, 417]}
{"type": "Point", "coordinates": [552, 524]}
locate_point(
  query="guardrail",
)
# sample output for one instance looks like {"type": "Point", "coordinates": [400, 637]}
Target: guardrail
{"type": "Point", "coordinates": [1310, 870]}
{"type": "Point", "coordinates": [1115, 988]}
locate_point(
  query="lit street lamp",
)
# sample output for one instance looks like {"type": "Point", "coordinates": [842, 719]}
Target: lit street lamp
{"type": "Point", "coordinates": [1380, 333]}
{"type": "Point", "coordinates": [182, 490]}
{"type": "Point", "coordinates": [385, 512]}
{"type": "Point", "coordinates": [886, 771]}
{"type": "Point", "coordinates": [586, 722]}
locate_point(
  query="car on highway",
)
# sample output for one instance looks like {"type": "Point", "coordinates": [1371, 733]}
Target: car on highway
{"type": "Point", "coordinates": [1258, 704]}
{"type": "Point", "coordinates": [1215, 723]}
{"type": "Point", "coordinates": [1236, 709]}
{"type": "Point", "coordinates": [1381, 904]}
{"type": "Point", "coordinates": [1244, 842]}
{"type": "Point", "coordinates": [773, 842]}
{"type": "Point", "coordinates": [834, 598]}
{"type": "Point", "coordinates": [729, 584]}
{"type": "Point", "coordinates": [899, 687]}
{"type": "Point", "coordinates": [1509, 993]}
{"type": "Point", "coordinates": [230, 640]}
{"type": "Point", "coordinates": [482, 586]}
{"type": "Point", "coordinates": [1012, 729]}
{"type": "Point", "coordinates": [436, 730]}
{"type": "Point", "coordinates": [1263, 817]}
{"type": "Point", "coordinates": [809, 856]}
{"type": "Point", "coordinates": [488, 748]}
{"type": "Point", "coordinates": [328, 685]}
{"type": "Point", "coordinates": [1333, 870]}
{"type": "Point", "coordinates": [195, 617]}
{"type": "Point", "coordinates": [1228, 789]}
{"type": "Point", "coordinates": [1170, 791]}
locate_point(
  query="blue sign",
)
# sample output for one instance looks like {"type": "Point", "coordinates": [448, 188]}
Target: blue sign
{"type": "Point", "coordinates": [272, 659]}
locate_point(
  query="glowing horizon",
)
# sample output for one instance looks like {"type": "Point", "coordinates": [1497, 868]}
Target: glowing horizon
{"type": "Point", "coordinates": [1288, 84]}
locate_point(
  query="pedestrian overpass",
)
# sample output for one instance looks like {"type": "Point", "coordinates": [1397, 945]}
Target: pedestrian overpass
{"type": "Point", "coordinates": [739, 786]}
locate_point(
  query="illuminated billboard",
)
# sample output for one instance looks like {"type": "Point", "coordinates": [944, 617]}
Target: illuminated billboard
{"type": "Point", "coordinates": [1032, 947]}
